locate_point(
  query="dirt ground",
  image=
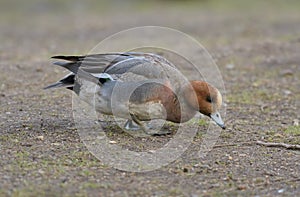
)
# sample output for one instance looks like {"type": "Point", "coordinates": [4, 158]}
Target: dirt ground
{"type": "Point", "coordinates": [256, 46]}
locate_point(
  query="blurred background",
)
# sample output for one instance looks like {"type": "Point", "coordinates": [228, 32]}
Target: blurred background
{"type": "Point", "coordinates": [75, 26]}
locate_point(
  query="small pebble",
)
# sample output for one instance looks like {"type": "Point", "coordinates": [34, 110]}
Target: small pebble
{"type": "Point", "coordinates": [241, 187]}
{"type": "Point", "coordinates": [39, 70]}
{"type": "Point", "coordinates": [230, 66]}
{"type": "Point", "coordinates": [40, 137]}
{"type": "Point", "coordinates": [112, 142]}
{"type": "Point", "coordinates": [41, 171]}
{"type": "Point", "coordinates": [296, 122]}
{"type": "Point", "coordinates": [287, 92]}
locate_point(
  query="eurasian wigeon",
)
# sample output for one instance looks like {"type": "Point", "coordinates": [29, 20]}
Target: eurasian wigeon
{"type": "Point", "coordinates": [138, 87]}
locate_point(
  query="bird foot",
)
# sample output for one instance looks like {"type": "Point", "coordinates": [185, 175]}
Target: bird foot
{"type": "Point", "coordinates": [157, 133]}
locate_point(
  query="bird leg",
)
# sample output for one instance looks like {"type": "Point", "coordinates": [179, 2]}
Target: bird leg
{"type": "Point", "coordinates": [131, 126]}
{"type": "Point", "coordinates": [146, 129]}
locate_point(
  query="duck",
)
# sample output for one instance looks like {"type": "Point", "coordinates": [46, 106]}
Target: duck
{"type": "Point", "coordinates": [139, 87]}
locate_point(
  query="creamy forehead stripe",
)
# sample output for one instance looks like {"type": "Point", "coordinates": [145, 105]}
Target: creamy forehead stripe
{"type": "Point", "coordinates": [219, 99]}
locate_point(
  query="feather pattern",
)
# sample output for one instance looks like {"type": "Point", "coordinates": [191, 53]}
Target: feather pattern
{"type": "Point", "coordinates": [115, 64]}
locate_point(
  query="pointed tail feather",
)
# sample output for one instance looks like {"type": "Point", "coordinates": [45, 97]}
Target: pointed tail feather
{"type": "Point", "coordinates": [71, 66]}
{"type": "Point", "coordinates": [68, 58]}
{"type": "Point", "coordinates": [86, 67]}
{"type": "Point", "coordinates": [68, 81]}
{"type": "Point", "coordinates": [57, 85]}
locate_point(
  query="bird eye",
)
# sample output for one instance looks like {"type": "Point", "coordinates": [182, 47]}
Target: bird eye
{"type": "Point", "coordinates": [209, 99]}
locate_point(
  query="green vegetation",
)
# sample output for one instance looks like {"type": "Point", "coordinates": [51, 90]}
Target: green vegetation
{"type": "Point", "coordinates": [293, 130]}
{"type": "Point", "coordinates": [251, 96]}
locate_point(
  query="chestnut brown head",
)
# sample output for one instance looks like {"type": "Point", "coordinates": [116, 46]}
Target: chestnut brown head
{"type": "Point", "coordinates": [206, 99]}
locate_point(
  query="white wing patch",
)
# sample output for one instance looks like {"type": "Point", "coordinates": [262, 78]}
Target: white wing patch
{"type": "Point", "coordinates": [102, 75]}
